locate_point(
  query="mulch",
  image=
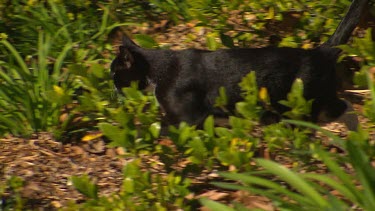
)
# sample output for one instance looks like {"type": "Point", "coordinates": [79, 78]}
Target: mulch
{"type": "Point", "coordinates": [46, 166]}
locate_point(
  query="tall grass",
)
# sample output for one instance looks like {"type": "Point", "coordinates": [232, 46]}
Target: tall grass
{"type": "Point", "coordinates": [51, 50]}
{"type": "Point", "coordinates": [30, 95]}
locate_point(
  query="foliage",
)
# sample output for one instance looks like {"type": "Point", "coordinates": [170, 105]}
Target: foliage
{"type": "Point", "coordinates": [300, 20]}
{"type": "Point", "coordinates": [299, 107]}
{"type": "Point", "coordinates": [135, 124]}
{"type": "Point", "coordinates": [31, 97]}
{"type": "Point", "coordinates": [54, 77]}
{"type": "Point", "coordinates": [140, 190]}
{"type": "Point", "coordinates": [279, 136]}
{"type": "Point", "coordinates": [85, 186]}
{"type": "Point", "coordinates": [364, 48]}
{"type": "Point", "coordinates": [39, 85]}
{"type": "Point", "coordinates": [306, 191]}
{"type": "Point", "coordinates": [10, 194]}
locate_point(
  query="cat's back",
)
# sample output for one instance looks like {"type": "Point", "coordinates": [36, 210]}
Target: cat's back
{"type": "Point", "coordinates": [243, 60]}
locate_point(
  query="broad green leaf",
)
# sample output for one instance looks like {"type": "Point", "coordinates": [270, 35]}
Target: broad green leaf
{"type": "Point", "coordinates": [128, 185]}
{"type": "Point", "coordinates": [222, 100]}
{"type": "Point", "coordinates": [155, 129]}
{"type": "Point", "coordinates": [198, 150]}
{"type": "Point", "coordinates": [85, 186]}
{"type": "Point", "coordinates": [97, 70]}
{"type": "Point", "coordinates": [209, 126]}
{"type": "Point", "coordinates": [117, 135]}
{"type": "Point", "coordinates": [223, 132]}
{"type": "Point", "coordinates": [226, 40]}
{"type": "Point", "coordinates": [211, 42]}
{"type": "Point", "coordinates": [145, 41]}
{"type": "Point", "coordinates": [132, 170]}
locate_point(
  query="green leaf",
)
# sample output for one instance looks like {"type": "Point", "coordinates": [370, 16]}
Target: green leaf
{"type": "Point", "coordinates": [128, 185]}
{"type": "Point", "coordinates": [97, 70]}
{"type": "Point", "coordinates": [145, 41]}
{"type": "Point", "coordinates": [295, 100]}
{"type": "Point", "coordinates": [247, 110]}
{"type": "Point", "coordinates": [226, 40]}
{"type": "Point", "coordinates": [60, 59]}
{"type": "Point", "coordinates": [365, 173]}
{"type": "Point", "coordinates": [360, 78]}
{"type": "Point", "coordinates": [333, 166]}
{"type": "Point", "coordinates": [222, 100]}
{"type": "Point", "coordinates": [336, 140]}
{"type": "Point", "coordinates": [294, 180]}
{"type": "Point", "coordinates": [23, 67]}
{"type": "Point", "coordinates": [185, 132]}
{"type": "Point", "coordinates": [78, 69]}
{"type": "Point", "coordinates": [254, 181]}
{"type": "Point", "coordinates": [198, 150]}
{"type": "Point", "coordinates": [336, 185]}
{"type": "Point", "coordinates": [85, 186]}
{"type": "Point", "coordinates": [117, 135]}
{"type": "Point", "coordinates": [132, 170]}
{"type": "Point", "coordinates": [209, 126]}
{"type": "Point", "coordinates": [223, 132]}
{"type": "Point", "coordinates": [155, 129]}
{"type": "Point", "coordinates": [132, 93]}
{"type": "Point", "coordinates": [211, 43]}
{"type": "Point", "coordinates": [213, 205]}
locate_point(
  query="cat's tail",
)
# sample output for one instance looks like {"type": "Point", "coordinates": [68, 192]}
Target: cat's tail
{"type": "Point", "coordinates": [346, 27]}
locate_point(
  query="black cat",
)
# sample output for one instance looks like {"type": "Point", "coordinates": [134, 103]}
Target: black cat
{"type": "Point", "coordinates": [187, 81]}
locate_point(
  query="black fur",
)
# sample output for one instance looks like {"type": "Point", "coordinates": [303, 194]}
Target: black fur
{"type": "Point", "coordinates": [187, 81]}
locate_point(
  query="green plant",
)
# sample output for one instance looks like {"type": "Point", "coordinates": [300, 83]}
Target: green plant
{"type": "Point", "coordinates": [364, 48]}
{"type": "Point", "coordinates": [71, 21]}
{"type": "Point", "coordinates": [249, 108]}
{"type": "Point", "coordinates": [140, 190]}
{"type": "Point", "coordinates": [10, 194]}
{"type": "Point", "coordinates": [41, 86]}
{"type": "Point", "coordinates": [85, 186]}
{"type": "Point", "coordinates": [135, 124]}
{"type": "Point", "coordinates": [311, 191]}
{"type": "Point", "coordinates": [299, 107]}
{"type": "Point", "coordinates": [31, 95]}
{"type": "Point", "coordinates": [280, 136]}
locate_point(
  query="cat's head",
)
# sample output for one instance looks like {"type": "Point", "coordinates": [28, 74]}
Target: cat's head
{"type": "Point", "coordinates": [128, 66]}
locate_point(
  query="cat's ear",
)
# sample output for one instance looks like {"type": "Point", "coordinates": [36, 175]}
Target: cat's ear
{"type": "Point", "coordinates": [126, 57]}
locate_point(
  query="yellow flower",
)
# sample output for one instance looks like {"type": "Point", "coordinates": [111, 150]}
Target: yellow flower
{"type": "Point", "coordinates": [263, 94]}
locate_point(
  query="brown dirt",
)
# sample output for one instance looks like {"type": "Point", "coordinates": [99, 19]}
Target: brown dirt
{"type": "Point", "coordinates": [46, 165]}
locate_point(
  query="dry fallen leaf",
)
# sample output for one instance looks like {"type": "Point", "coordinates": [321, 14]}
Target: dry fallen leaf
{"type": "Point", "coordinates": [213, 195]}
{"type": "Point", "coordinates": [92, 136]}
